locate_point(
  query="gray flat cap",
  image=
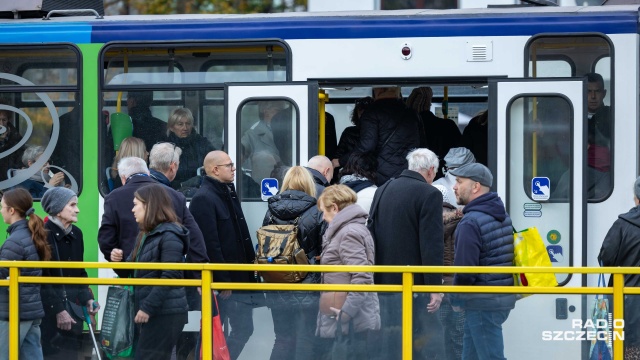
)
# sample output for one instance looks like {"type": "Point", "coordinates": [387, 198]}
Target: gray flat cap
{"type": "Point", "coordinates": [459, 156]}
{"type": "Point", "coordinates": [476, 172]}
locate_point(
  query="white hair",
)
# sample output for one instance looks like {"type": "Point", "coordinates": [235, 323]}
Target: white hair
{"type": "Point", "coordinates": [132, 165]}
{"type": "Point", "coordinates": [162, 155]}
{"type": "Point", "coordinates": [422, 159]}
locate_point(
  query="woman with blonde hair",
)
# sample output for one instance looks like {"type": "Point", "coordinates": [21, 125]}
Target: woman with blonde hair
{"type": "Point", "coordinates": [27, 241]}
{"type": "Point", "coordinates": [131, 146]}
{"type": "Point", "coordinates": [294, 313]}
{"type": "Point", "coordinates": [194, 146]}
{"type": "Point", "coordinates": [347, 241]}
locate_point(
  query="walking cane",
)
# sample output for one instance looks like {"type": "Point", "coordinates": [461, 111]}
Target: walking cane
{"type": "Point", "coordinates": [87, 318]}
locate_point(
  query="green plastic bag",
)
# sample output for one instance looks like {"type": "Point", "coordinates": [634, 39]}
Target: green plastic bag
{"type": "Point", "coordinates": [118, 327]}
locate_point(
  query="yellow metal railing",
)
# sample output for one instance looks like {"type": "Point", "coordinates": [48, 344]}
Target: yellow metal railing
{"type": "Point", "coordinates": [407, 288]}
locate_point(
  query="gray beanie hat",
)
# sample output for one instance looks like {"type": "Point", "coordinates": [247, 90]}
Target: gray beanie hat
{"type": "Point", "coordinates": [459, 156]}
{"type": "Point", "coordinates": [636, 188]}
{"type": "Point", "coordinates": [55, 199]}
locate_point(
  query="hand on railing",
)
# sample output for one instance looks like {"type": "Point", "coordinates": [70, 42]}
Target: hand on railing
{"type": "Point", "coordinates": [434, 304]}
{"type": "Point", "coordinates": [65, 321]}
{"type": "Point", "coordinates": [116, 255]}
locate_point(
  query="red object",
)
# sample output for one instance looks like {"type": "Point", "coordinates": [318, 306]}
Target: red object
{"type": "Point", "coordinates": [599, 157]}
{"type": "Point", "coordinates": [220, 350]}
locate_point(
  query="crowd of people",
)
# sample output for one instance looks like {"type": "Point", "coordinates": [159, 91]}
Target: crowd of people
{"type": "Point", "coordinates": [391, 204]}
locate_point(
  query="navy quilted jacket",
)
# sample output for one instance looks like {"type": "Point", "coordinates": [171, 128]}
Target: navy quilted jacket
{"type": "Point", "coordinates": [19, 246]}
{"type": "Point", "coordinates": [484, 237]}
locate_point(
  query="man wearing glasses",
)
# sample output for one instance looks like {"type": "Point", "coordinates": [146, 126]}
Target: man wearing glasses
{"type": "Point", "coordinates": [216, 209]}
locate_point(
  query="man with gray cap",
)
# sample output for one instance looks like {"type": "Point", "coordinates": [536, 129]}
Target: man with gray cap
{"type": "Point", "coordinates": [455, 158]}
{"type": "Point", "coordinates": [619, 248]}
{"type": "Point", "coordinates": [484, 237]}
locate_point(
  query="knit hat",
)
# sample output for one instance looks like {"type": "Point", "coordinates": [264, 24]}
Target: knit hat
{"type": "Point", "coordinates": [476, 172]}
{"type": "Point", "coordinates": [459, 156]}
{"type": "Point", "coordinates": [55, 199]}
{"type": "Point", "coordinates": [445, 193]}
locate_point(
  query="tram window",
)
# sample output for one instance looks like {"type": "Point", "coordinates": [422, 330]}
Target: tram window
{"type": "Point", "coordinates": [46, 65]}
{"type": "Point", "coordinates": [551, 68]}
{"type": "Point", "coordinates": [213, 117]}
{"type": "Point", "coordinates": [32, 156]}
{"type": "Point", "coordinates": [267, 144]}
{"type": "Point", "coordinates": [590, 56]}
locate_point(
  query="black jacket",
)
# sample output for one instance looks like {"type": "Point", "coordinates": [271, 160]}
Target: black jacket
{"type": "Point", "coordinates": [194, 148]}
{"type": "Point", "coordinates": [19, 246]}
{"type": "Point", "coordinates": [70, 248]}
{"type": "Point", "coordinates": [349, 140]}
{"type": "Point", "coordinates": [285, 208]}
{"type": "Point", "coordinates": [216, 209]}
{"type": "Point", "coordinates": [407, 227]}
{"type": "Point", "coordinates": [440, 135]}
{"type": "Point", "coordinates": [621, 247]}
{"type": "Point", "coordinates": [119, 228]}
{"type": "Point", "coordinates": [146, 127]}
{"type": "Point", "coordinates": [390, 130]}
{"type": "Point", "coordinates": [168, 243]}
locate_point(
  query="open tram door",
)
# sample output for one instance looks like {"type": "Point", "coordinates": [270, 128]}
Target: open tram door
{"type": "Point", "coordinates": [271, 126]}
{"type": "Point", "coordinates": [536, 151]}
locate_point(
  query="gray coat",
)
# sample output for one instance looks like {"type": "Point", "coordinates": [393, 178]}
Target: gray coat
{"type": "Point", "coordinates": [19, 246]}
{"type": "Point", "coordinates": [347, 241]}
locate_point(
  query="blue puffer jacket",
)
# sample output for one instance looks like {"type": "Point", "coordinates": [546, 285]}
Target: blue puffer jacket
{"type": "Point", "coordinates": [19, 246]}
{"type": "Point", "coordinates": [484, 237]}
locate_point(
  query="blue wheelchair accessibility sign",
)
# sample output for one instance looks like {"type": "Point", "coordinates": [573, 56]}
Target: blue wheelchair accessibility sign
{"type": "Point", "coordinates": [269, 187]}
{"type": "Point", "coordinates": [540, 188]}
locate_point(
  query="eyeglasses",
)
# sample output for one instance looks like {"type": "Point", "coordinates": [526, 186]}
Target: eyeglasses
{"type": "Point", "coordinates": [229, 165]}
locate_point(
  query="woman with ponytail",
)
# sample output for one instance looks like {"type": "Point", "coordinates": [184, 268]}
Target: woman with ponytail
{"type": "Point", "coordinates": [27, 241]}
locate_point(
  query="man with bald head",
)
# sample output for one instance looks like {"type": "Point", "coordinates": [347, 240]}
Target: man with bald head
{"type": "Point", "coordinates": [321, 169]}
{"type": "Point", "coordinates": [216, 209]}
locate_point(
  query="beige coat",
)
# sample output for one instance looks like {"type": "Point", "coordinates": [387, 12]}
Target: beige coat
{"type": "Point", "coordinates": [347, 241]}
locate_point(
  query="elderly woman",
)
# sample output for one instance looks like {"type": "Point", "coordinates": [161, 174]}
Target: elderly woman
{"type": "Point", "coordinates": [359, 174]}
{"type": "Point", "coordinates": [61, 331]}
{"type": "Point", "coordinates": [347, 241]}
{"type": "Point", "coordinates": [194, 146]}
{"type": "Point", "coordinates": [131, 146]}
{"type": "Point", "coordinates": [36, 183]}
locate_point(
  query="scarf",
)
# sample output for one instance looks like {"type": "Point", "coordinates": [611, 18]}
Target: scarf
{"type": "Point", "coordinates": [58, 223]}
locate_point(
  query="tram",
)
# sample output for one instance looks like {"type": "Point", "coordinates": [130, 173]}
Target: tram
{"type": "Point", "coordinates": [64, 78]}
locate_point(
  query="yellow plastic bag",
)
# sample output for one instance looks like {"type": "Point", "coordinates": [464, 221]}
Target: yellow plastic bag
{"type": "Point", "coordinates": [529, 250]}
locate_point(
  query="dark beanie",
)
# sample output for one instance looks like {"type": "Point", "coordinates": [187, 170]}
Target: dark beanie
{"type": "Point", "coordinates": [55, 199]}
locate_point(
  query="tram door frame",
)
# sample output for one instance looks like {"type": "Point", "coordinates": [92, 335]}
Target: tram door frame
{"type": "Point", "coordinates": [541, 312]}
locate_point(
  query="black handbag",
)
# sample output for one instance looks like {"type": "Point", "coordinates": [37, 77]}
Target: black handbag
{"type": "Point", "coordinates": [343, 344]}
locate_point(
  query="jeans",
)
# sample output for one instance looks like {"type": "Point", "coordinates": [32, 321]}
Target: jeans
{"type": "Point", "coordinates": [295, 330]}
{"type": "Point", "coordinates": [483, 335]}
{"type": "Point", "coordinates": [29, 340]}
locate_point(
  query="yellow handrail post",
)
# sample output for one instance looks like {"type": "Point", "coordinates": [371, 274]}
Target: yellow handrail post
{"type": "Point", "coordinates": [322, 120]}
{"type": "Point", "coordinates": [207, 345]}
{"type": "Point", "coordinates": [407, 316]}
{"type": "Point", "coordinates": [618, 313]}
{"type": "Point", "coordinates": [14, 313]}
